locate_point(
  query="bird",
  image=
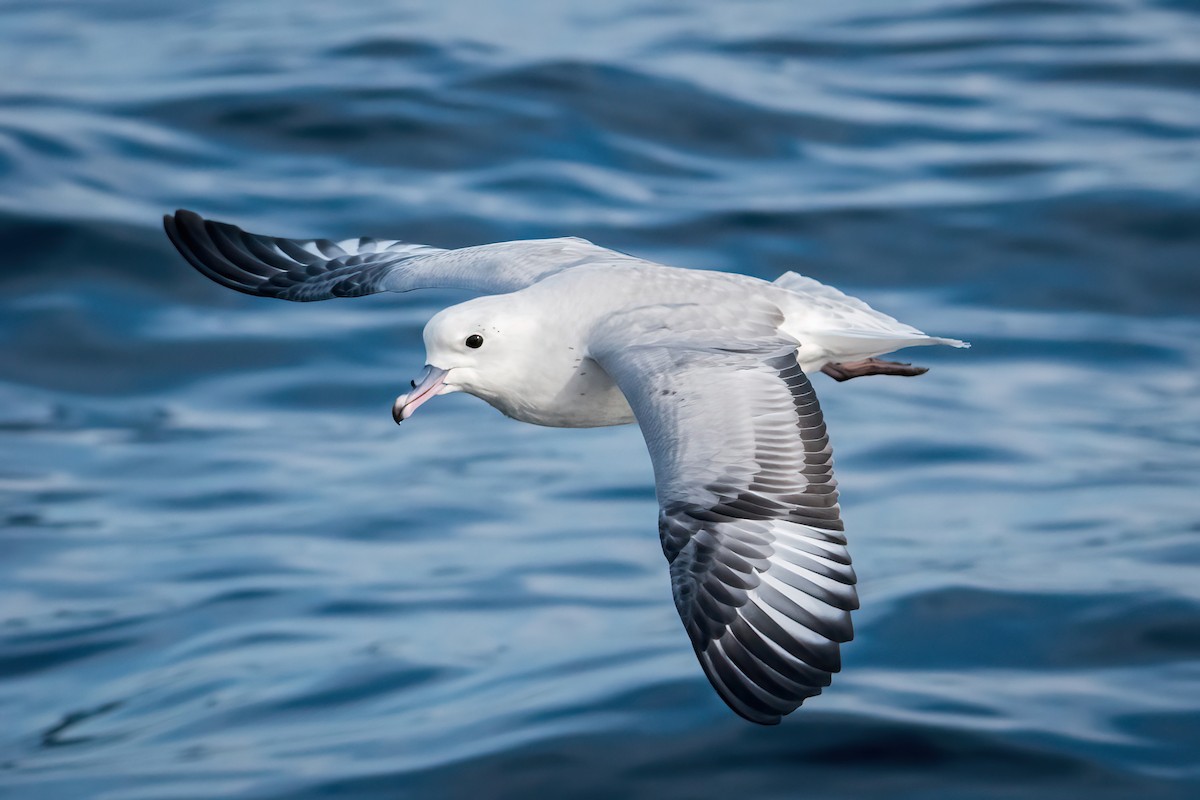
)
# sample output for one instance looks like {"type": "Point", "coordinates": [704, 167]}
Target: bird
{"type": "Point", "coordinates": [713, 367]}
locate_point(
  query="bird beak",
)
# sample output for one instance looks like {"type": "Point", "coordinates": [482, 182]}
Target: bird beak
{"type": "Point", "coordinates": [424, 387]}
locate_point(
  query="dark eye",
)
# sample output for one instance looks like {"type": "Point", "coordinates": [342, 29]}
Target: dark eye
{"type": "Point", "coordinates": [474, 340]}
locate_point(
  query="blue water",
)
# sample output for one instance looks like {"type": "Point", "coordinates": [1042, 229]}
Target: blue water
{"type": "Point", "coordinates": [225, 572]}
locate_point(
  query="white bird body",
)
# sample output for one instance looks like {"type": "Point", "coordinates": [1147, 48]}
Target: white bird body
{"type": "Point", "coordinates": [564, 387]}
{"type": "Point", "coordinates": [711, 365]}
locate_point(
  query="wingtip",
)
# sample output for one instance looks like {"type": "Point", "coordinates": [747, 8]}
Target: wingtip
{"type": "Point", "coordinates": [189, 233]}
{"type": "Point", "coordinates": [180, 216]}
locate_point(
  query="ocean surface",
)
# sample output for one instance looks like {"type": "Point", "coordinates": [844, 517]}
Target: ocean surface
{"type": "Point", "coordinates": [226, 573]}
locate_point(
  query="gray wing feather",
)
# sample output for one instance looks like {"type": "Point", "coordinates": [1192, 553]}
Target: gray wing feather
{"type": "Point", "coordinates": [319, 269]}
{"type": "Point", "coordinates": [749, 518]}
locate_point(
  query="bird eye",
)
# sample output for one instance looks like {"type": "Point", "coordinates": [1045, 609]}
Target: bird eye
{"type": "Point", "coordinates": [474, 340]}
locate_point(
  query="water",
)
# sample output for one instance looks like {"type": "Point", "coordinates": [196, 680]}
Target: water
{"type": "Point", "coordinates": [224, 571]}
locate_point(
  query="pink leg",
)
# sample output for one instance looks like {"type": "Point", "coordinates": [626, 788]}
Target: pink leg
{"type": "Point", "coordinates": [845, 370]}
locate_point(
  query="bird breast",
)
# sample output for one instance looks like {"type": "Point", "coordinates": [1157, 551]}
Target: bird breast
{"type": "Point", "coordinates": [587, 398]}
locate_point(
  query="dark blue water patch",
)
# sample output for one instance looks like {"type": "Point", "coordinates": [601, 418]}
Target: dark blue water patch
{"type": "Point", "coordinates": [615, 710]}
{"type": "Point", "coordinates": [55, 498]}
{"type": "Point", "coordinates": [965, 625]}
{"type": "Point", "coordinates": [598, 568]}
{"type": "Point", "coordinates": [636, 492]}
{"type": "Point", "coordinates": [1169, 74]}
{"type": "Point", "coordinates": [841, 756]}
{"type": "Point", "coordinates": [900, 452]}
{"type": "Point", "coordinates": [404, 50]}
{"type": "Point", "coordinates": [342, 689]}
{"type": "Point", "coordinates": [67, 351]}
{"type": "Point", "coordinates": [988, 10]}
{"type": "Point", "coordinates": [416, 521]}
{"type": "Point", "coordinates": [1180, 5]}
{"type": "Point", "coordinates": [510, 595]}
{"type": "Point", "coordinates": [850, 50]}
{"type": "Point", "coordinates": [221, 499]}
{"type": "Point", "coordinates": [994, 169]}
{"type": "Point", "coordinates": [317, 394]}
{"type": "Point", "coordinates": [44, 253]}
{"type": "Point", "coordinates": [1176, 731]}
{"type": "Point", "coordinates": [30, 420]}
{"type": "Point", "coordinates": [24, 655]}
{"type": "Point", "coordinates": [557, 189]}
{"type": "Point", "coordinates": [38, 521]}
{"type": "Point", "coordinates": [62, 624]}
{"type": "Point", "coordinates": [1116, 353]}
{"type": "Point", "coordinates": [242, 598]}
{"type": "Point", "coordinates": [406, 127]}
{"type": "Point", "coordinates": [582, 99]}
{"type": "Point", "coordinates": [243, 568]}
{"type": "Point", "coordinates": [14, 141]}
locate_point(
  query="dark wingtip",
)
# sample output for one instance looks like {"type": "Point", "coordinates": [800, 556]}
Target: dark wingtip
{"type": "Point", "coordinates": [190, 234]}
{"type": "Point", "coordinates": [171, 221]}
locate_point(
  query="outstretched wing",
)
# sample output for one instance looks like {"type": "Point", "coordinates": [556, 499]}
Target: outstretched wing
{"type": "Point", "coordinates": [749, 517]}
{"type": "Point", "coordinates": [318, 269]}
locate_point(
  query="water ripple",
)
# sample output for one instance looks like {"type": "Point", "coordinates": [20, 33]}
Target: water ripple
{"type": "Point", "coordinates": [226, 572]}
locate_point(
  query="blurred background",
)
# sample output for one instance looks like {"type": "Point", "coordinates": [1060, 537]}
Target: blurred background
{"type": "Point", "coordinates": [225, 572]}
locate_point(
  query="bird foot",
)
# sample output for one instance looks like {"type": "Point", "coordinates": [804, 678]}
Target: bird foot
{"type": "Point", "coordinates": [845, 370]}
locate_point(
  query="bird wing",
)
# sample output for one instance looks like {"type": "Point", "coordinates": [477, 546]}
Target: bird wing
{"type": "Point", "coordinates": [318, 269]}
{"type": "Point", "coordinates": [749, 518]}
